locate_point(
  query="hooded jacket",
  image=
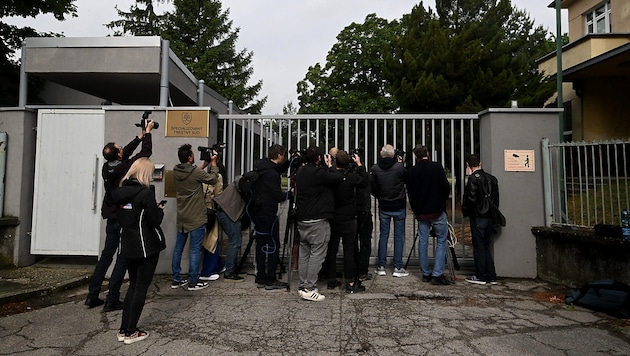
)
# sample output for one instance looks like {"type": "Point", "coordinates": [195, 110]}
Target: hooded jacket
{"type": "Point", "coordinates": [267, 190]}
{"type": "Point", "coordinates": [139, 218]}
{"type": "Point", "coordinates": [388, 184]}
{"type": "Point", "coordinates": [191, 203]}
{"type": "Point", "coordinates": [346, 193]}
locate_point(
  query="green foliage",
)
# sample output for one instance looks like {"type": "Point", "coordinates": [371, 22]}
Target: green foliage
{"type": "Point", "coordinates": [201, 35]}
{"type": "Point", "coordinates": [351, 81]}
{"type": "Point", "coordinates": [139, 21]}
{"type": "Point", "coordinates": [12, 38]}
{"type": "Point", "coordinates": [468, 56]}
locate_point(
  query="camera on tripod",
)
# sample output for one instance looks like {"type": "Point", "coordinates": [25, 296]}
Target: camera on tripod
{"type": "Point", "coordinates": [207, 152]}
{"type": "Point", "coordinates": [145, 118]}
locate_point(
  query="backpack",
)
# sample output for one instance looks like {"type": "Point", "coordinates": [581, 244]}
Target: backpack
{"type": "Point", "coordinates": [608, 296]}
{"type": "Point", "coordinates": [246, 184]}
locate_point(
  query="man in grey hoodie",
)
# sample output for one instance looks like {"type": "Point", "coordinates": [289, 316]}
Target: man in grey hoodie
{"type": "Point", "coordinates": [191, 213]}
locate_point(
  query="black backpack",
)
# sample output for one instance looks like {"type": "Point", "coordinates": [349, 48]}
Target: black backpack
{"type": "Point", "coordinates": [246, 184]}
{"type": "Point", "coordinates": [608, 296]}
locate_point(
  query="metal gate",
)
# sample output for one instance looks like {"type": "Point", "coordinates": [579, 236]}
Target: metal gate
{"type": "Point", "coordinates": [448, 136]}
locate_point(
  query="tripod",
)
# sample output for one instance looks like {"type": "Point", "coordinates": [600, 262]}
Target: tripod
{"type": "Point", "coordinates": [451, 258]}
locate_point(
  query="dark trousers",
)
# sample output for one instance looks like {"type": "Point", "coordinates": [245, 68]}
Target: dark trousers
{"type": "Point", "coordinates": [112, 239]}
{"type": "Point", "coordinates": [141, 272]}
{"type": "Point", "coordinates": [346, 231]}
{"type": "Point", "coordinates": [364, 239]}
{"type": "Point", "coordinates": [481, 230]}
{"type": "Point", "coordinates": [267, 247]}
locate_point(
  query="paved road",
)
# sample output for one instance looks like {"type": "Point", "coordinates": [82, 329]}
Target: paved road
{"type": "Point", "coordinates": [401, 316]}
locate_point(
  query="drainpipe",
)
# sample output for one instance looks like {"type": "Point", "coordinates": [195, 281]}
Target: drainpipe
{"type": "Point", "coordinates": [200, 86]}
{"type": "Point", "coordinates": [23, 80]}
{"type": "Point", "coordinates": [164, 73]}
{"type": "Point", "coordinates": [559, 67]}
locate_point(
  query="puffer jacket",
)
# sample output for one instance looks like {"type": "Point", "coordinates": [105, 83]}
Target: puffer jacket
{"type": "Point", "coordinates": [388, 184]}
{"type": "Point", "coordinates": [139, 218]}
{"type": "Point", "coordinates": [191, 203]}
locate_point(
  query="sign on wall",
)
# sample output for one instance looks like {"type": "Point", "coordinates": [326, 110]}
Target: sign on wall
{"type": "Point", "coordinates": [519, 160]}
{"type": "Point", "coordinates": [187, 123]}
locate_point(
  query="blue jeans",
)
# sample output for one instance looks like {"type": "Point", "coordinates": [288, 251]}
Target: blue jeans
{"type": "Point", "coordinates": [399, 236]}
{"type": "Point", "coordinates": [196, 237]}
{"type": "Point", "coordinates": [233, 231]}
{"type": "Point", "coordinates": [440, 225]}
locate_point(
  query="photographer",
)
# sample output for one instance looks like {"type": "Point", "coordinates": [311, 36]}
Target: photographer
{"type": "Point", "coordinates": [344, 223]}
{"type": "Point", "coordinates": [388, 186]}
{"type": "Point", "coordinates": [266, 194]}
{"type": "Point", "coordinates": [191, 213]}
{"type": "Point", "coordinates": [314, 185]}
{"type": "Point", "coordinates": [117, 165]}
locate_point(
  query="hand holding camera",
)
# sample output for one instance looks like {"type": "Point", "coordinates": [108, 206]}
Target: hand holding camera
{"type": "Point", "coordinates": [146, 124]}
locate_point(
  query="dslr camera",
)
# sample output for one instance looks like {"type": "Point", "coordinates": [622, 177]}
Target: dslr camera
{"type": "Point", "coordinates": [207, 152]}
{"type": "Point", "coordinates": [145, 118]}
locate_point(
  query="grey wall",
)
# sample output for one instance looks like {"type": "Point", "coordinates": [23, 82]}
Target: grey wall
{"type": "Point", "coordinates": [20, 174]}
{"type": "Point", "coordinates": [521, 193]}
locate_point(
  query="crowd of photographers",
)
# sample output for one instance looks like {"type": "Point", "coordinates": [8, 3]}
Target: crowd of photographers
{"type": "Point", "coordinates": [330, 199]}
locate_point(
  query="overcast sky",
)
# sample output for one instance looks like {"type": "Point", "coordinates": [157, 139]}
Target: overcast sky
{"type": "Point", "coordinates": [286, 36]}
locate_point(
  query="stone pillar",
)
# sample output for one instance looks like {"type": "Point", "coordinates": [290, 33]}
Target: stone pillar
{"type": "Point", "coordinates": [521, 192]}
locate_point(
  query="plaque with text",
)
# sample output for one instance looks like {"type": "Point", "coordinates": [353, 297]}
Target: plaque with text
{"type": "Point", "coordinates": [187, 123]}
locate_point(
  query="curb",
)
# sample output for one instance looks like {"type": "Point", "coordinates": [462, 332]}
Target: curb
{"type": "Point", "coordinates": [39, 292]}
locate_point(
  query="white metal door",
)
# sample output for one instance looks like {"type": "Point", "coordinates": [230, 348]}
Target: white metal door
{"type": "Point", "coordinates": [68, 185]}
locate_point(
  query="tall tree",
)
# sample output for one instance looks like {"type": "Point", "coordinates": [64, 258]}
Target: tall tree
{"type": "Point", "coordinates": [13, 36]}
{"type": "Point", "coordinates": [351, 81]}
{"type": "Point", "coordinates": [139, 20]}
{"type": "Point", "coordinates": [468, 56]}
{"type": "Point", "coordinates": [201, 35]}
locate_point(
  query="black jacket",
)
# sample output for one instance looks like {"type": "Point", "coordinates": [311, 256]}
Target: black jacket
{"type": "Point", "coordinates": [388, 184]}
{"type": "Point", "coordinates": [427, 187]}
{"type": "Point", "coordinates": [314, 192]}
{"type": "Point", "coordinates": [267, 189]}
{"type": "Point", "coordinates": [114, 171]}
{"type": "Point", "coordinates": [473, 202]}
{"type": "Point", "coordinates": [345, 193]}
{"type": "Point", "coordinates": [139, 218]}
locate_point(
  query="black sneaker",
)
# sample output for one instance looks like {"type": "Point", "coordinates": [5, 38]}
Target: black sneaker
{"type": "Point", "coordinates": [94, 302]}
{"type": "Point", "coordinates": [355, 288]}
{"type": "Point", "coordinates": [276, 284]}
{"type": "Point", "coordinates": [365, 276]}
{"type": "Point", "coordinates": [441, 280]}
{"type": "Point", "coordinates": [333, 284]}
{"type": "Point", "coordinates": [233, 278]}
{"type": "Point", "coordinates": [426, 279]}
{"type": "Point", "coordinates": [113, 306]}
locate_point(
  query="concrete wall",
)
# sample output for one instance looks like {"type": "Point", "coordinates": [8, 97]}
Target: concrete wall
{"type": "Point", "coordinates": [20, 173]}
{"type": "Point", "coordinates": [521, 193]}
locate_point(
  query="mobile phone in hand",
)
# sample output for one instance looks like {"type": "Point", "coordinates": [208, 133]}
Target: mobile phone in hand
{"type": "Point", "coordinates": [163, 202]}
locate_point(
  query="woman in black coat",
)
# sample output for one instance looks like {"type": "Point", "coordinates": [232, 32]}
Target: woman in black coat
{"type": "Point", "coordinates": [141, 240]}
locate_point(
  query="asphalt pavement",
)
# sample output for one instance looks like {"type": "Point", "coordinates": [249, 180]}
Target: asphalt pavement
{"type": "Point", "coordinates": [395, 316]}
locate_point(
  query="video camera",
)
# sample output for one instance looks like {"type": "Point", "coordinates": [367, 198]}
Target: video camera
{"type": "Point", "coordinates": [206, 152]}
{"type": "Point", "coordinates": [297, 157]}
{"type": "Point", "coordinates": [145, 118]}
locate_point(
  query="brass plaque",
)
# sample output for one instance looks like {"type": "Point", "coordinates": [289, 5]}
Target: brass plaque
{"type": "Point", "coordinates": [169, 185]}
{"type": "Point", "coordinates": [187, 123]}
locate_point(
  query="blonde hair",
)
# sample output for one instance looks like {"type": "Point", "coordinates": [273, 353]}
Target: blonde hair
{"type": "Point", "coordinates": [142, 170]}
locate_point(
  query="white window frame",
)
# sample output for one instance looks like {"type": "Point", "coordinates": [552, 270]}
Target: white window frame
{"type": "Point", "coordinates": [599, 13]}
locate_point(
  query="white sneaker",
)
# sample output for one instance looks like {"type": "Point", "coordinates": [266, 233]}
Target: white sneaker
{"type": "Point", "coordinates": [138, 335]}
{"type": "Point", "coordinates": [212, 277]}
{"type": "Point", "coordinates": [198, 286]}
{"type": "Point", "coordinates": [400, 272]}
{"type": "Point", "coordinates": [380, 270]}
{"type": "Point", "coordinates": [312, 295]}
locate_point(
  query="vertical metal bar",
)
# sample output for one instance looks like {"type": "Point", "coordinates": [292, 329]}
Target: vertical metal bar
{"type": "Point", "coordinates": [609, 184]}
{"type": "Point", "coordinates": [618, 187]}
{"type": "Point", "coordinates": [601, 179]}
{"type": "Point", "coordinates": [546, 169]}
{"type": "Point", "coordinates": [594, 168]}
{"type": "Point", "coordinates": [581, 184]}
